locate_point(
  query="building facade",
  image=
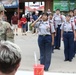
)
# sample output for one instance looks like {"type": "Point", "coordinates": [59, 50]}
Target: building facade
{"type": "Point", "coordinates": [63, 5]}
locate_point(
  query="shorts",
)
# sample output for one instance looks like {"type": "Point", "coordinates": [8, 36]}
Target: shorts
{"type": "Point", "coordinates": [24, 26]}
{"type": "Point", "coordinates": [14, 26]}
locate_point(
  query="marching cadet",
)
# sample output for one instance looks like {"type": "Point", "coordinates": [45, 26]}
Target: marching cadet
{"type": "Point", "coordinates": [6, 33]}
{"type": "Point", "coordinates": [50, 18]}
{"type": "Point", "coordinates": [72, 16]}
{"type": "Point", "coordinates": [75, 16]}
{"type": "Point", "coordinates": [67, 34]}
{"type": "Point", "coordinates": [45, 39]}
{"type": "Point", "coordinates": [57, 20]}
{"type": "Point", "coordinates": [71, 13]}
{"type": "Point", "coordinates": [75, 32]}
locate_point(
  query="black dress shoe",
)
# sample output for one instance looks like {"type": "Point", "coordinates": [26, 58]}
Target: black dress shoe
{"type": "Point", "coordinates": [45, 69]}
{"type": "Point", "coordinates": [74, 56]}
{"type": "Point", "coordinates": [57, 48]}
{"type": "Point", "coordinates": [70, 60]}
{"type": "Point", "coordinates": [66, 60]}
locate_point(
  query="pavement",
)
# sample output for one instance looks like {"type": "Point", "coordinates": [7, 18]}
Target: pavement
{"type": "Point", "coordinates": [45, 73]}
{"type": "Point", "coordinates": [28, 45]}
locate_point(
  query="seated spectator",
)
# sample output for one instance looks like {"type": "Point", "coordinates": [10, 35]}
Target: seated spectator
{"type": "Point", "coordinates": [10, 58]}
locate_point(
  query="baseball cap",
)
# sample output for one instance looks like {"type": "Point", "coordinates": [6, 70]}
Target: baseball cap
{"type": "Point", "coordinates": [15, 13]}
{"type": "Point", "coordinates": [23, 15]}
{"type": "Point", "coordinates": [36, 12]}
{"type": "Point", "coordinates": [2, 7]}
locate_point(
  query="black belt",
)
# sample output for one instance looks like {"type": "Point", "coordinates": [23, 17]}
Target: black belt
{"type": "Point", "coordinates": [59, 24]}
{"type": "Point", "coordinates": [68, 32]}
{"type": "Point", "coordinates": [45, 35]}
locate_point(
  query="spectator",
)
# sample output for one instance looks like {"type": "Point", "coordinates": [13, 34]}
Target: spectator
{"type": "Point", "coordinates": [10, 58]}
{"type": "Point", "coordinates": [49, 11]}
{"type": "Point", "coordinates": [14, 22]}
{"type": "Point", "coordinates": [35, 17]}
{"type": "Point", "coordinates": [28, 17]}
{"type": "Point", "coordinates": [24, 24]}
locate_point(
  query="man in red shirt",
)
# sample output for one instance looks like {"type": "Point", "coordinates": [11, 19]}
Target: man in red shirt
{"type": "Point", "coordinates": [14, 22]}
{"type": "Point", "coordinates": [24, 23]}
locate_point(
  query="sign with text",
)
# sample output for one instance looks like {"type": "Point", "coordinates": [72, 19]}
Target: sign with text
{"type": "Point", "coordinates": [64, 5]}
{"type": "Point", "coordinates": [61, 4]}
{"type": "Point", "coordinates": [72, 4]}
{"type": "Point", "coordinates": [10, 3]}
{"type": "Point", "coordinates": [30, 6]}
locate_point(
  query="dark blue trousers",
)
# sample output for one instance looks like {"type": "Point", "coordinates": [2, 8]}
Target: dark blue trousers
{"type": "Point", "coordinates": [44, 43]}
{"type": "Point", "coordinates": [74, 48]}
{"type": "Point", "coordinates": [68, 38]}
{"type": "Point", "coordinates": [57, 41]}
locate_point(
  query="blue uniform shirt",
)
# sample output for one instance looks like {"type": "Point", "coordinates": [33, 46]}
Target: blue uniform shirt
{"type": "Point", "coordinates": [44, 28]}
{"type": "Point", "coordinates": [57, 20]}
{"type": "Point", "coordinates": [68, 26]}
{"type": "Point", "coordinates": [72, 19]}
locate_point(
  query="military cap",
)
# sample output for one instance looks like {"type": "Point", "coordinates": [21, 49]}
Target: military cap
{"type": "Point", "coordinates": [2, 7]}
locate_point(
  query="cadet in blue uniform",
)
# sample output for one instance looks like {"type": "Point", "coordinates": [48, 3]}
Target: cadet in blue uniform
{"type": "Point", "coordinates": [45, 39]}
{"type": "Point", "coordinates": [72, 20]}
{"type": "Point", "coordinates": [67, 33]}
{"type": "Point", "coordinates": [50, 18]}
{"type": "Point", "coordinates": [72, 16]}
{"type": "Point", "coordinates": [75, 33]}
{"type": "Point", "coordinates": [57, 20]}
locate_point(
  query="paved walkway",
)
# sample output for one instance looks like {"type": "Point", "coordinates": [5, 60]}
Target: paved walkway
{"type": "Point", "coordinates": [45, 73]}
{"type": "Point", "coordinates": [28, 45]}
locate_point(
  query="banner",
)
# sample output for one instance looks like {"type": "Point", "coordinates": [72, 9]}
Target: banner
{"type": "Point", "coordinates": [72, 4]}
{"type": "Point", "coordinates": [30, 6]}
{"type": "Point", "coordinates": [10, 3]}
{"type": "Point", "coordinates": [64, 5]}
{"type": "Point", "coordinates": [61, 4]}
